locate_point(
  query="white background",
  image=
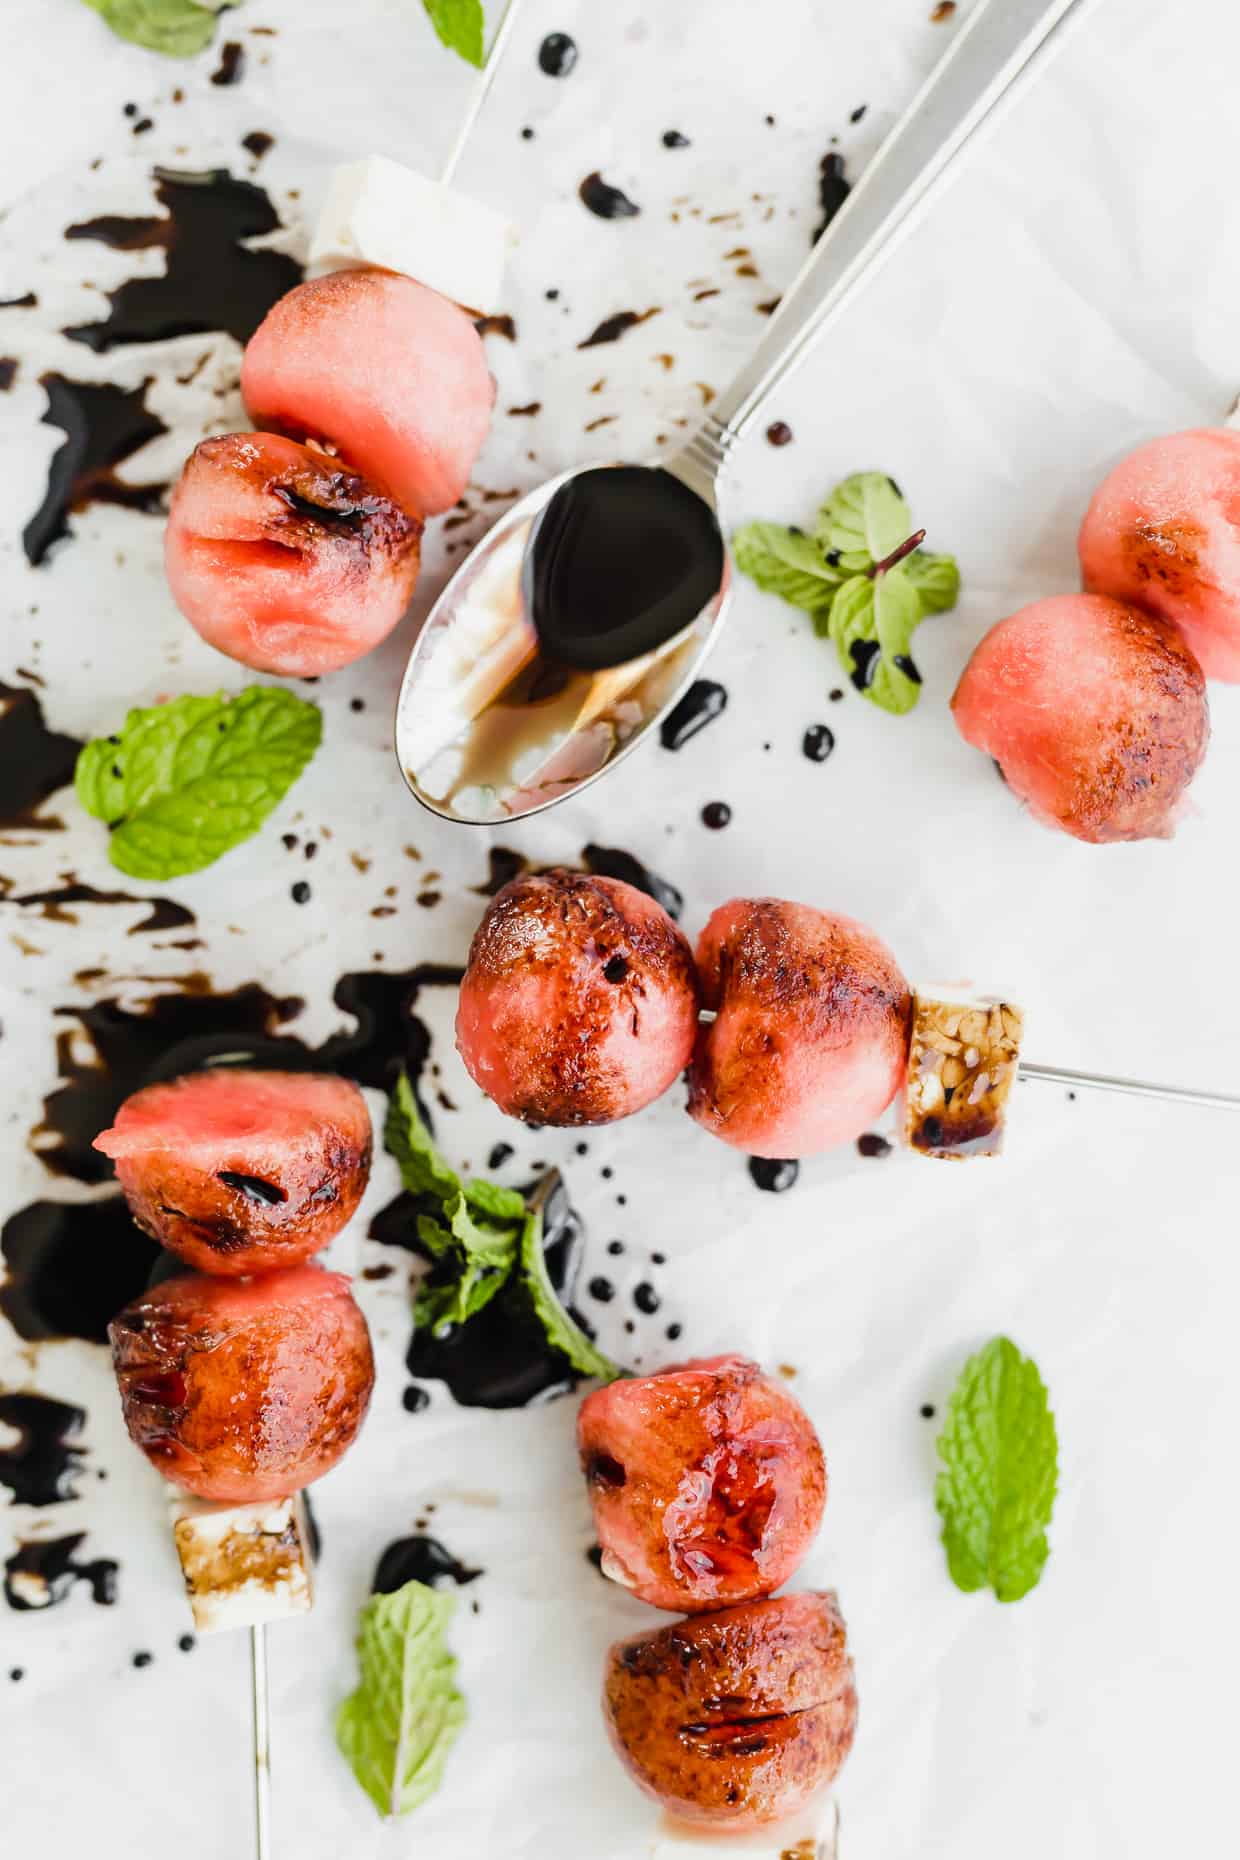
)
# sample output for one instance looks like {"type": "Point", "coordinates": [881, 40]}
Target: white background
{"type": "Point", "coordinates": [1077, 292]}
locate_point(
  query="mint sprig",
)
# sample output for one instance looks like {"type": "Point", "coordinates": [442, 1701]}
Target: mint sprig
{"type": "Point", "coordinates": [183, 783]}
{"type": "Point", "coordinates": [459, 24]}
{"type": "Point", "coordinates": [481, 1238]}
{"type": "Point", "coordinates": [396, 1729]}
{"type": "Point", "coordinates": [177, 28]}
{"type": "Point", "coordinates": [863, 579]}
{"type": "Point", "coordinates": [1000, 1460]}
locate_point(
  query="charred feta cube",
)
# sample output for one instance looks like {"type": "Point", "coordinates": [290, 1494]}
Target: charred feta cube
{"type": "Point", "coordinates": [811, 1835]}
{"type": "Point", "coordinates": [962, 1061]}
{"type": "Point", "coordinates": [244, 1564]}
{"type": "Point", "coordinates": [380, 213]}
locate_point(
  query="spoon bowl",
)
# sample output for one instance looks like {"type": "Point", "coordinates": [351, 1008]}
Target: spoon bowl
{"type": "Point", "coordinates": [581, 619]}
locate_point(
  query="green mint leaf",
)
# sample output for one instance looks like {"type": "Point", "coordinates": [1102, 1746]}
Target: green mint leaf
{"type": "Point", "coordinates": [459, 25]}
{"type": "Point", "coordinates": [862, 521]}
{"type": "Point", "coordinates": [936, 578]}
{"type": "Point", "coordinates": [396, 1730]}
{"type": "Point", "coordinates": [881, 611]}
{"type": "Point", "coordinates": [423, 1170]}
{"type": "Point", "coordinates": [185, 782]}
{"type": "Point", "coordinates": [563, 1332]}
{"type": "Point", "coordinates": [485, 1241]}
{"type": "Point", "coordinates": [499, 1204]}
{"type": "Point", "coordinates": [785, 562]}
{"type": "Point", "coordinates": [454, 1291]}
{"type": "Point", "coordinates": [1000, 1458]}
{"type": "Point", "coordinates": [178, 28]}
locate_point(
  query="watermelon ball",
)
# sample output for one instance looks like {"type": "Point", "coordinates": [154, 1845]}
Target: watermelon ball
{"type": "Point", "coordinates": [238, 1171]}
{"type": "Point", "coordinates": [810, 1036]}
{"type": "Point", "coordinates": [1163, 531]}
{"type": "Point", "coordinates": [736, 1719]}
{"type": "Point", "coordinates": [390, 373]}
{"type": "Point", "coordinates": [242, 1390]}
{"type": "Point", "coordinates": [707, 1482]}
{"type": "Point", "coordinates": [1095, 712]}
{"type": "Point", "coordinates": [283, 560]}
{"type": "Point", "coordinates": [579, 1002]}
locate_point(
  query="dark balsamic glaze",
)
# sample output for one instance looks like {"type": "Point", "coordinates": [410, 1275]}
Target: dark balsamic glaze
{"type": "Point", "coordinates": [601, 1289]}
{"type": "Point", "coordinates": [817, 742]}
{"type": "Point", "coordinates": [605, 201]}
{"type": "Point", "coordinates": [557, 54]}
{"type": "Point", "coordinates": [716, 814]}
{"type": "Point", "coordinates": [834, 187]}
{"type": "Point", "coordinates": [39, 1575]}
{"type": "Point", "coordinates": [232, 64]}
{"type": "Point", "coordinates": [211, 281]}
{"type": "Point", "coordinates": [702, 703]}
{"type": "Point", "coordinates": [414, 1399]}
{"type": "Point", "coordinates": [163, 913]}
{"type": "Point", "coordinates": [870, 1143]}
{"type": "Point", "coordinates": [500, 1154]}
{"type": "Point", "coordinates": [71, 1267]}
{"type": "Point", "coordinates": [8, 372]}
{"type": "Point", "coordinates": [253, 1187]}
{"type": "Point", "coordinates": [34, 761]}
{"type": "Point", "coordinates": [613, 327]}
{"type": "Point", "coordinates": [614, 862]}
{"type": "Point", "coordinates": [864, 654]}
{"type": "Point", "coordinates": [28, 301]}
{"type": "Point", "coordinates": [103, 426]}
{"type": "Point", "coordinates": [904, 664]}
{"type": "Point", "coordinates": [672, 139]}
{"type": "Point", "coordinates": [503, 865]}
{"type": "Point", "coordinates": [619, 561]}
{"type": "Point", "coordinates": [419, 1559]}
{"type": "Point", "coordinates": [43, 1467]}
{"type": "Point", "coordinates": [594, 1557]}
{"type": "Point", "coordinates": [501, 1358]}
{"type": "Point", "coordinates": [779, 433]}
{"type": "Point", "coordinates": [646, 1298]}
{"type": "Point", "coordinates": [504, 326]}
{"type": "Point", "coordinates": [258, 142]}
{"type": "Point", "coordinates": [773, 1175]}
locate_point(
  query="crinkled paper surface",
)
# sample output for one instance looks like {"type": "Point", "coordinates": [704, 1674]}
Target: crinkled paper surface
{"type": "Point", "coordinates": [1076, 292]}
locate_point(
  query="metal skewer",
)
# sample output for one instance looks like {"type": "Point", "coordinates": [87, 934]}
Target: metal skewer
{"type": "Point", "coordinates": [262, 1742]}
{"type": "Point", "coordinates": [1132, 1088]}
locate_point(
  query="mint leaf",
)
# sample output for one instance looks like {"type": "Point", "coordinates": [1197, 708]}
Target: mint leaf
{"type": "Point", "coordinates": [178, 28]}
{"type": "Point", "coordinates": [1000, 1456]}
{"type": "Point", "coordinates": [459, 25]}
{"type": "Point", "coordinates": [501, 1204]}
{"type": "Point", "coordinates": [185, 782]}
{"type": "Point", "coordinates": [862, 521]}
{"type": "Point", "coordinates": [785, 562]}
{"type": "Point", "coordinates": [451, 1294]}
{"type": "Point", "coordinates": [423, 1170]}
{"type": "Point", "coordinates": [936, 579]}
{"type": "Point", "coordinates": [563, 1332]}
{"type": "Point", "coordinates": [396, 1730]}
{"type": "Point", "coordinates": [872, 623]}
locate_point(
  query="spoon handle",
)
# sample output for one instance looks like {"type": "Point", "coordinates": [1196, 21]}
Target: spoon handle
{"type": "Point", "coordinates": [1002, 40]}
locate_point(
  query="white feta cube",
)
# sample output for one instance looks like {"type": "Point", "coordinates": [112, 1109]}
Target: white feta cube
{"type": "Point", "coordinates": [244, 1564]}
{"type": "Point", "coordinates": [378, 212]}
{"type": "Point", "coordinates": [964, 1051]}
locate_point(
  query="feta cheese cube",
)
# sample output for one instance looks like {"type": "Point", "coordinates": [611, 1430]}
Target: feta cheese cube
{"type": "Point", "coordinates": [244, 1564]}
{"type": "Point", "coordinates": [380, 213]}
{"type": "Point", "coordinates": [962, 1061]}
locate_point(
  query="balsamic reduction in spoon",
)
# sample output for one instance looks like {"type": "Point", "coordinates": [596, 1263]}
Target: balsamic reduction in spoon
{"type": "Point", "coordinates": [619, 562]}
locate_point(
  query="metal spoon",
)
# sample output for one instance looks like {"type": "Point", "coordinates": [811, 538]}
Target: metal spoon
{"type": "Point", "coordinates": [488, 728]}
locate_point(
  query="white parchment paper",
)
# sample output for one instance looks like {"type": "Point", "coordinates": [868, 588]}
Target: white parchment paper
{"type": "Point", "coordinates": [1077, 292]}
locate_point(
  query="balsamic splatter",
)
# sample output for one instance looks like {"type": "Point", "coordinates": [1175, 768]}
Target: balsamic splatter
{"type": "Point", "coordinates": [557, 54]}
{"type": "Point", "coordinates": [34, 762]}
{"type": "Point", "coordinates": [8, 372]}
{"type": "Point", "coordinates": [779, 433]}
{"type": "Point", "coordinates": [212, 281]}
{"type": "Point", "coordinates": [103, 426]}
{"type": "Point", "coordinates": [702, 703]}
{"type": "Point", "coordinates": [613, 327]}
{"type": "Point", "coordinates": [232, 63]}
{"type": "Point", "coordinates": [614, 862]}
{"type": "Point", "coordinates": [162, 913]}
{"type": "Point", "coordinates": [71, 1267]}
{"type": "Point", "coordinates": [604, 201]}
{"type": "Point", "coordinates": [773, 1175]}
{"type": "Point", "coordinates": [716, 814]}
{"type": "Point", "coordinates": [43, 1466]}
{"type": "Point", "coordinates": [834, 188]}
{"type": "Point", "coordinates": [817, 742]}
{"type": "Point", "coordinates": [41, 1574]}
{"type": "Point", "coordinates": [672, 139]}
{"type": "Point", "coordinates": [419, 1559]}
{"type": "Point", "coordinates": [870, 1143]}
